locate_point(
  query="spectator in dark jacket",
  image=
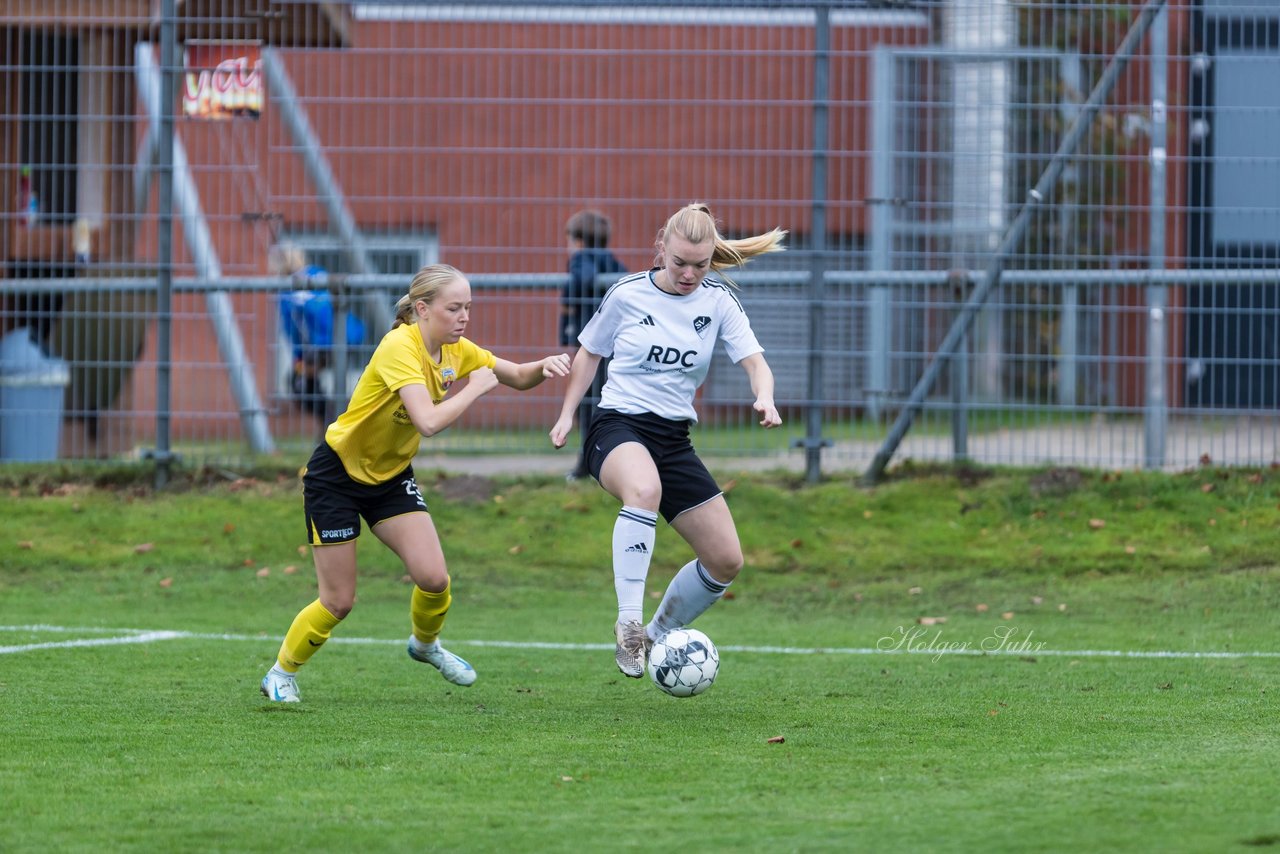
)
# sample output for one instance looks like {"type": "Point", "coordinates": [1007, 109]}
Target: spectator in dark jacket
{"type": "Point", "coordinates": [588, 235]}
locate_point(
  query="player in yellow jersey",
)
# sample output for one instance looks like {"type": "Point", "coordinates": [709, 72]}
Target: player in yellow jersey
{"type": "Point", "coordinates": [363, 468]}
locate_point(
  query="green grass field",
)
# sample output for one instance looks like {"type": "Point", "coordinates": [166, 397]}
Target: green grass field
{"type": "Point", "coordinates": [968, 660]}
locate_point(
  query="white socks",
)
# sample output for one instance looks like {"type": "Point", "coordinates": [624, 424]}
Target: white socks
{"type": "Point", "coordinates": [691, 592]}
{"type": "Point", "coordinates": [633, 536]}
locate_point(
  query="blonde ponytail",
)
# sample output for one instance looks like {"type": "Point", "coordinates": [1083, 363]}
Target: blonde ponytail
{"type": "Point", "coordinates": [696, 224]}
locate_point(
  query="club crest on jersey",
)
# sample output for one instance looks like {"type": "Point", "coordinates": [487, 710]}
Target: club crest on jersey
{"type": "Point", "coordinates": [447, 377]}
{"type": "Point", "coordinates": [700, 325]}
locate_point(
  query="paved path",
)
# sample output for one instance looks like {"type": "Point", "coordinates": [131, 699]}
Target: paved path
{"type": "Point", "coordinates": [1244, 441]}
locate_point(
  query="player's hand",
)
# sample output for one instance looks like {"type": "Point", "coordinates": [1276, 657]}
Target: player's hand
{"type": "Point", "coordinates": [556, 366]}
{"type": "Point", "coordinates": [769, 417]}
{"type": "Point", "coordinates": [560, 433]}
{"type": "Point", "coordinates": [483, 380]}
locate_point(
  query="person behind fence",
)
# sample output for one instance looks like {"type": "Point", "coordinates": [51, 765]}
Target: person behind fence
{"type": "Point", "coordinates": [589, 257]}
{"type": "Point", "coordinates": [661, 327]}
{"type": "Point", "coordinates": [363, 469]}
{"type": "Point", "coordinates": [306, 319]}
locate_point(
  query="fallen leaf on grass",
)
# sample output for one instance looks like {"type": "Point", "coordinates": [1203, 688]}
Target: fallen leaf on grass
{"type": "Point", "coordinates": [1036, 600]}
{"type": "Point", "coordinates": [1097, 524]}
{"type": "Point", "coordinates": [264, 572]}
{"type": "Point", "coordinates": [1007, 615]}
{"type": "Point", "coordinates": [982, 607]}
{"type": "Point", "coordinates": [515, 550]}
{"type": "Point", "coordinates": [729, 594]}
{"type": "Point", "coordinates": [26, 544]}
{"type": "Point", "coordinates": [143, 548]}
{"type": "Point", "coordinates": [915, 591]}
{"type": "Point", "coordinates": [777, 739]}
{"type": "Point", "coordinates": [289, 570]}
{"type": "Point", "coordinates": [228, 528]}
{"type": "Point", "coordinates": [931, 621]}
{"type": "Point", "coordinates": [1206, 488]}
{"type": "Point", "coordinates": [302, 550]}
{"type": "Point", "coordinates": [166, 582]}
{"type": "Point", "coordinates": [249, 561]}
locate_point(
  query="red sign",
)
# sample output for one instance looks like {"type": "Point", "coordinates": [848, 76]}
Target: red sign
{"type": "Point", "coordinates": [222, 81]}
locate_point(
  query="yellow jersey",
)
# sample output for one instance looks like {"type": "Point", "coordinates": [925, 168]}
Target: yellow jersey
{"type": "Point", "coordinates": [374, 437]}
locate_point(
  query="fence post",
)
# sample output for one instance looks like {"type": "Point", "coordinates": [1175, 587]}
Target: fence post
{"type": "Point", "coordinates": [813, 443]}
{"type": "Point", "coordinates": [879, 331]}
{"type": "Point", "coordinates": [1156, 414]}
{"type": "Point", "coordinates": [164, 249]}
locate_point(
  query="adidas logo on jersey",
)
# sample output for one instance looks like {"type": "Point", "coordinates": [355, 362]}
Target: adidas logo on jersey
{"type": "Point", "coordinates": [647, 320]}
{"type": "Point", "coordinates": [638, 547]}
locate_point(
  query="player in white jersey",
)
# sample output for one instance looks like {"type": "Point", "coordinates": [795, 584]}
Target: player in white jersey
{"type": "Point", "coordinates": [660, 327]}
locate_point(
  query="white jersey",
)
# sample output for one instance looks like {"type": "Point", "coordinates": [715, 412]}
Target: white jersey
{"type": "Point", "coordinates": [662, 343]}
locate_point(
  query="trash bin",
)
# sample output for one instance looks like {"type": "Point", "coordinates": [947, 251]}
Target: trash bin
{"type": "Point", "coordinates": [32, 386]}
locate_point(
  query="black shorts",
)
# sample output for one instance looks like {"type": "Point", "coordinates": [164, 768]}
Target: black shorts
{"type": "Point", "coordinates": [334, 502]}
{"type": "Point", "coordinates": [686, 483]}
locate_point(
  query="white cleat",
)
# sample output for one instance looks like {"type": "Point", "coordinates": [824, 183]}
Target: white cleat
{"type": "Point", "coordinates": [452, 667]}
{"type": "Point", "coordinates": [632, 651]}
{"type": "Point", "coordinates": [280, 689]}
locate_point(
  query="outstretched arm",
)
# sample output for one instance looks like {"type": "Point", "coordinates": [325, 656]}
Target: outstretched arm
{"type": "Point", "coordinates": [584, 370]}
{"type": "Point", "coordinates": [526, 375]}
{"type": "Point", "coordinates": [762, 387]}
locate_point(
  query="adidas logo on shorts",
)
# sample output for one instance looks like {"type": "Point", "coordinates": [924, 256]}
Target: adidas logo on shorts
{"type": "Point", "coordinates": [638, 547]}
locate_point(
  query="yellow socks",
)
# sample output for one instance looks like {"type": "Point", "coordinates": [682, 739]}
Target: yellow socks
{"type": "Point", "coordinates": [308, 633]}
{"type": "Point", "coordinates": [427, 611]}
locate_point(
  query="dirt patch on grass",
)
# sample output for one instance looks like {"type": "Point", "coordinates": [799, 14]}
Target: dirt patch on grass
{"type": "Point", "coordinates": [465, 488]}
{"type": "Point", "coordinates": [1056, 481]}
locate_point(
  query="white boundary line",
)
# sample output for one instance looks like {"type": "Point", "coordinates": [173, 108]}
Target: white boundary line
{"type": "Point", "coordinates": [132, 636]}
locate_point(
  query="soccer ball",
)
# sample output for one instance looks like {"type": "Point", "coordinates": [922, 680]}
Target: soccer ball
{"type": "Point", "coordinates": [683, 662]}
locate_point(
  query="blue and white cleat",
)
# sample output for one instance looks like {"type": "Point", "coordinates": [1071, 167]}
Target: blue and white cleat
{"type": "Point", "coordinates": [280, 688]}
{"type": "Point", "coordinates": [451, 667]}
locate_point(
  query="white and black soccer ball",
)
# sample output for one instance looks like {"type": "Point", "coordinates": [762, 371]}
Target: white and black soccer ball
{"type": "Point", "coordinates": [683, 662]}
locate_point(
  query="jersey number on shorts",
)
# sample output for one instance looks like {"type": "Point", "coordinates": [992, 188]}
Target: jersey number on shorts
{"type": "Point", "coordinates": [411, 488]}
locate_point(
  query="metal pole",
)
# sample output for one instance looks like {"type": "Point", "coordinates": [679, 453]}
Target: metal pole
{"type": "Point", "coordinates": [1156, 414]}
{"type": "Point", "coordinates": [340, 298]}
{"type": "Point", "coordinates": [1012, 239]}
{"type": "Point", "coordinates": [1068, 335]}
{"type": "Point", "coordinates": [882, 219]}
{"type": "Point", "coordinates": [813, 443]}
{"type": "Point", "coordinates": [164, 282]}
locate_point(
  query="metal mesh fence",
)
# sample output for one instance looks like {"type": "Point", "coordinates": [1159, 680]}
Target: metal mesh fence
{"type": "Point", "coordinates": [211, 208]}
